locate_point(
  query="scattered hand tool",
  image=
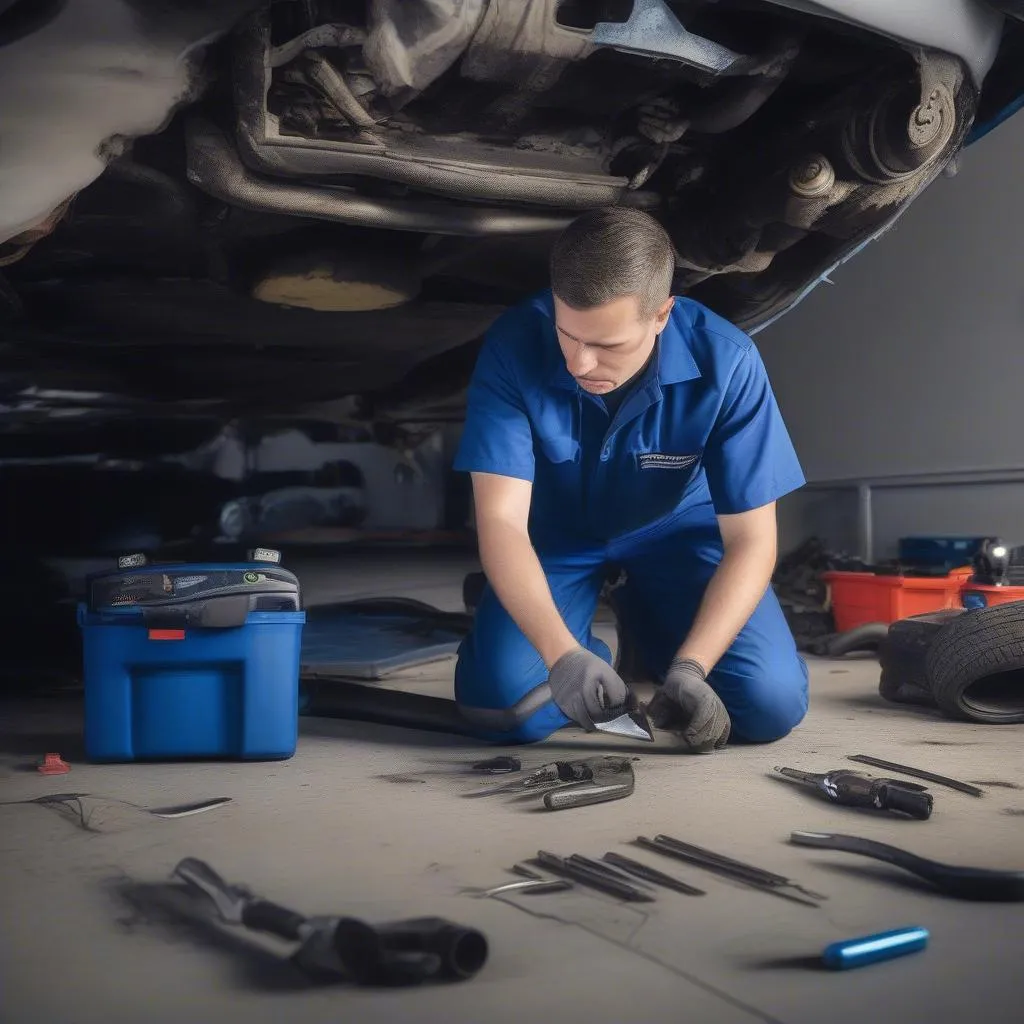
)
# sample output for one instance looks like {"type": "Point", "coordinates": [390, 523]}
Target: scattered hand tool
{"type": "Point", "coordinates": [606, 869]}
{"type": "Point", "coordinates": [564, 773]}
{"type": "Point", "coordinates": [917, 773]}
{"type": "Point", "coordinates": [584, 794]}
{"type": "Point", "coordinates": [871, 949]}
{"type": "Point", "coordinates": [964, 883]}
{"type": "Point", "coordinates": [525, 871]}
{"type": "Point", "coordinates": [72, 802]}
{"type": "Point", "coordinates": [756, 878]}
{"type": "Point", "coordinates": [853, 789]}
{"type": "Point", "coordinates": [595, 879]}
{"type": "Point", "coordinates": [526, 886]}
{"type": "Point", "coordinates": [333, 948]}
{"type": "Point", "coordinates": [649, 874]}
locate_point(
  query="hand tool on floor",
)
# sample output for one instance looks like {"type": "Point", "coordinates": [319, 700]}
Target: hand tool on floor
{"type": "Point", "coordinates": [589, 877]}
{"type": "Point", "coordinates": [606, 869]}
{"type": "Point", "coordinates": [73, 803]}
{"type": "Point", "coordinates": [526, 886]}
{"type": "Point", "coordinates": [330, 948]}
{"type": "Point", "coordinates": [872, 949]}
{"type": "Point", "coordinates": [964, 883]}
{"type": "Point", "coordinates": [585, 794]}
{"type": "Point", "coordinates": [757, 878]}
{"type": "Point", "coordinates": [562, 773]}
{"type": "Point", "coordinates": [649, 874]}
{"type": "Point", "coordinates": [853, 789]}
{"type": "Point", "coordinates": [917, 773]}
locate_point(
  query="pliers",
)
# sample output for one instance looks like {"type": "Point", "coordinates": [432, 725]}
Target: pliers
{"type": "Point", "coordinates": [568, 784]}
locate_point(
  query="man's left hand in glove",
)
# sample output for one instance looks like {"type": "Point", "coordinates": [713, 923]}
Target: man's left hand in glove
{"type": "Point", "coordinates": [687, 705]}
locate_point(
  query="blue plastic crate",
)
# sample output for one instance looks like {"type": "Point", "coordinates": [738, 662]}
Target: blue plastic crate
{"type": "Point", "coordinates": [160, 685]}
{"type": "Point", "coordinates": [942, 553]}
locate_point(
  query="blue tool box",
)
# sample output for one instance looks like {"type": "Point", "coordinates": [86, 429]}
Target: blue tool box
{"type": "Point", "coordinates": [192, 661]}
{"type": "Point", "coordinates": [940, 553]}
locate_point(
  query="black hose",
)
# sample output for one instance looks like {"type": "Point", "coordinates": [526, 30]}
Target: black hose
{"type": "Point", "coordinates": [338, 698]}
{"type": "Point", "coordinates": [860, 638]}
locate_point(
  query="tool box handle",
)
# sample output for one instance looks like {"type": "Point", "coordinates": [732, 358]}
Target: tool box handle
{"type": "Point", "coordinates": [227, 612]}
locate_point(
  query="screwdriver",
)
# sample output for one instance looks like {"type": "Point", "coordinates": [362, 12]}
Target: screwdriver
{"type": "Point", "coordinates": [853, 789]}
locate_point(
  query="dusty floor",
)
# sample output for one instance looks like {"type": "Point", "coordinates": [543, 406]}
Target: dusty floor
{"type": "Point", "coordinates": [373, 822]}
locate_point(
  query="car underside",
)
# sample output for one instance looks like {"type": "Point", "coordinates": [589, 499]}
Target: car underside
{"type": "Point", "coordinates": [226, 209]}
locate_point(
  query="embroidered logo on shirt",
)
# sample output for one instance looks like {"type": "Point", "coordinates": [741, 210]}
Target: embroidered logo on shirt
{"type": "Point", "coordinates": [661, 460]}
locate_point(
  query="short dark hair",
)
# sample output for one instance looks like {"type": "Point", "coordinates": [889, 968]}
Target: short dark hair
{"type": "Point", "coordinates": [612, 252]}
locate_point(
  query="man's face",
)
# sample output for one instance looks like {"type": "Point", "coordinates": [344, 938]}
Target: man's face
{"type": "Point", "coordinates": [604, 347]}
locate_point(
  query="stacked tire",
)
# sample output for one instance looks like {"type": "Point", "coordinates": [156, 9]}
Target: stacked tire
{"type": "Point", "coordinates": [969, 664]}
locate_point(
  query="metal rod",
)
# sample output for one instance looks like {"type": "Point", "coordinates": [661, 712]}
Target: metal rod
{"type": "Point", "coordinates": [865, 523]}
{"type": "Point", "coordinates": [917, 773]}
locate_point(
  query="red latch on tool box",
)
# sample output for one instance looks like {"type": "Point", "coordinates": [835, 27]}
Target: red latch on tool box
{"type": "Point", "coordinates": [167, 634]}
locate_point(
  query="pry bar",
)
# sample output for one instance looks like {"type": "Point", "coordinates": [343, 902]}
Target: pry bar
{"type": "Point", "coordinates": [917, 773]}
{"type": "Point", "coordinates": [721, 869]}
{"type": "Point", "coordinates": [595, 879]}
{"type": "Point", "coordinates": [653, 875]}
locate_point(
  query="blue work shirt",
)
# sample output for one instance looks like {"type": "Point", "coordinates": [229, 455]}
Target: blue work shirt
{"type": "Point", "coordinates": [699, 433]}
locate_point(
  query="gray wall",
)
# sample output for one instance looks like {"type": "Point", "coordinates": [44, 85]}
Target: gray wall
{"type": "Point", "coordinates": [912, 362]}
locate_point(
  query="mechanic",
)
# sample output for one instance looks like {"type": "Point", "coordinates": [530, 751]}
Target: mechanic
{"type": "Point", "coordinates": [613, 427]}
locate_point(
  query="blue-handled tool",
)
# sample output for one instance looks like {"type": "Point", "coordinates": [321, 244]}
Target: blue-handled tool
{"type": "Point", "coordinates": [871, 949]}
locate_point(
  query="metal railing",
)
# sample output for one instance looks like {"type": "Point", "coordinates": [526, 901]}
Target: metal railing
{"type": "Point", "coordinates": [866, 486]}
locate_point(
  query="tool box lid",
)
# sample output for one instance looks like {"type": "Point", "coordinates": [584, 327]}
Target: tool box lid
{"type": "Point", "coordinates": [154, 586]}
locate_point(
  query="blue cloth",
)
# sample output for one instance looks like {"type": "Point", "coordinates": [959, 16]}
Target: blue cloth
{"type": "Point", "coordinates": [701, 428]}
{"type": "Point", "coordinates": [699, 435]}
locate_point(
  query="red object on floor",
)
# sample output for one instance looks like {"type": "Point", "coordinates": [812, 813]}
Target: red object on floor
{"type": "Point", "coordinates": [54, 764]}
{"type": "Point", "coordinates": [859, 598]}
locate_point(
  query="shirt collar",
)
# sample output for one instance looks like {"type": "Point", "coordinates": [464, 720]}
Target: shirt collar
{"type": "Point", "coordinates": [673, 361]}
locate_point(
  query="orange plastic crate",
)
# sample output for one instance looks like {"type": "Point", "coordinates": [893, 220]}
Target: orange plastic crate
{"type": "Point", "coordinates": [861, 597]}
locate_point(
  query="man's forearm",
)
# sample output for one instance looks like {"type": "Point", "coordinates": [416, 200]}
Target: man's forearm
{"type": "Point", "coordinates": [515, 573]}
{"type": "Point", "coordinates": [735, 590]}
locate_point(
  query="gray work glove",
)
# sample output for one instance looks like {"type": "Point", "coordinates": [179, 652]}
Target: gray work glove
{"type": "Point", "coordinates": [687, 705]}
{"type": "Point", "coordinates": [586, 687]}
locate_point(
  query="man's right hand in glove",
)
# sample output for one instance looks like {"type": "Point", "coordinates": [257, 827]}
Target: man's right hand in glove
{"type": "Point", "coordinates": [585, 688]}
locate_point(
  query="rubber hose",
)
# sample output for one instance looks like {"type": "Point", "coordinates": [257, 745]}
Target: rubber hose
{"type": "Point", "coordinates": [352, 701]}
{"type": "Point", "coordinates": [860, 638]}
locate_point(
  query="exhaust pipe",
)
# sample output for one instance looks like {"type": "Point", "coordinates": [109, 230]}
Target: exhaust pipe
{"type": "Point", "coordinates": [215, 167]}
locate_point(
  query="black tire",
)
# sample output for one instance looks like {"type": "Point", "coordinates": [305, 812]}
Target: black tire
{"type": "Point", "coordinates": [975, 667]}
{"type": "Point", "coordinates": [903, 654]}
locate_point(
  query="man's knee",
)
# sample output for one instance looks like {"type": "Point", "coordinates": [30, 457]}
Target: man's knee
{"type": "Point", "coordinates": [489, 686]}
{"type": "Point", "coordinates": [496, 671]}
{"type": "Point", "coordinates": [770, 703]}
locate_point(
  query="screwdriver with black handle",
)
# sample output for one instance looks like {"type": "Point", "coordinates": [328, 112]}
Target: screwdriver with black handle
{"type": "Point", "coordinates": [854, 789]}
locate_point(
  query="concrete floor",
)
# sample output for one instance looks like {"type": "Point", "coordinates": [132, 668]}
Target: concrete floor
{"type": "Point", "coordinates": [372, 822]}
